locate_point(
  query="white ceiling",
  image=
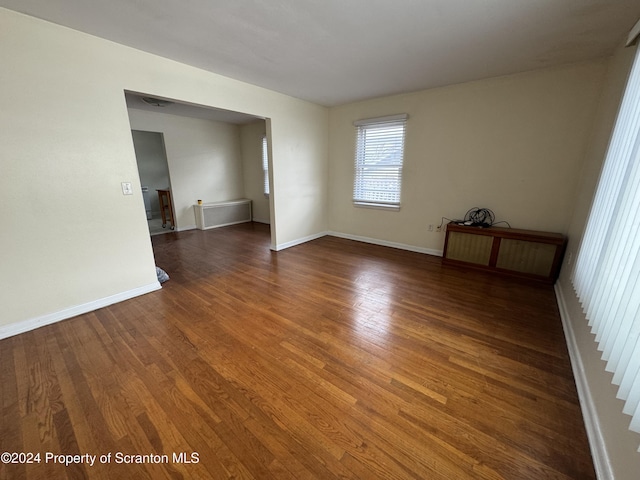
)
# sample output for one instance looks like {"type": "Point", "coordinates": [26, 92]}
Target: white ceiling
{"type": "Point", "coordinates": [338, 51]}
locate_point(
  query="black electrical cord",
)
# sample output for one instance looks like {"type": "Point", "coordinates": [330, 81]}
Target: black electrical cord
{"type": "Point", "coordinates": [450, 221]}
{"type": "Point", "coordinates": [480, 217]}
{"type": "Point", "coordinates": [476, 217]}
{"type": "Point", "coordinates": [503, 221]}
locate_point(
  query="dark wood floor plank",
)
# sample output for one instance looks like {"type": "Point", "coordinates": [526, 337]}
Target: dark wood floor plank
{"type": "Point", "coordinates": [331, 359]}
{"type": "Point", "coordinates": [12, 364]}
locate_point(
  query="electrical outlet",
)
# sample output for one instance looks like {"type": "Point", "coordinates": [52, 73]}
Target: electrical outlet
{"type": "Point", "coordinates": [431, 227]}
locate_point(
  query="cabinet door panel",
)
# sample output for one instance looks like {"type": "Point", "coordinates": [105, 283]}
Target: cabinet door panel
{"type": "Point", "coordinates": [470, 248]}
{"type": "Point", "coordinates": [526, 257]}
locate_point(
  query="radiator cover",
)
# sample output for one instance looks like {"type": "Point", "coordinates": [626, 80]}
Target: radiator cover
{"type": "Point", "coordinates": [526, 253]}
{"type": "Point", "coordinates": [220, 214]}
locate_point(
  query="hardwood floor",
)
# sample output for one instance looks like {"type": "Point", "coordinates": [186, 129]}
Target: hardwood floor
{"type": "Point", "coordinates": [331, 359]}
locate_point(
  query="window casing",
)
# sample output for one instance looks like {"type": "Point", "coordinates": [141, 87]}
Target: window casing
{"type": "Point", "coordinates": [378, 161]}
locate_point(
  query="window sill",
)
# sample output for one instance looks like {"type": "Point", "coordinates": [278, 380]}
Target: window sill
{"type": "Point", "coordinates": [379, 206]}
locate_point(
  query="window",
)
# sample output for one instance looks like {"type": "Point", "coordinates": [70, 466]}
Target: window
{"type": "Point", "coordinates": [378, 163]}
{"type": "Point", "coordinates": [265, 166]}
{"type": "Point", "coordinates": [606, 276]}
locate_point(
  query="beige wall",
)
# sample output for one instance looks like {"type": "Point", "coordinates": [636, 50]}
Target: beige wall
{"type": "Point", "coordinates": [204, 158]}
{"type": "Point", "coordinates": [251, 140]}
{"type": "Point", "coordinates": [300, 185]}
{"type": "Point", "coordinates": [70, 238]}
{"type": "Point", "coordinates": [608, 423]}
{"type": "Point", "coordinates": [512, 144]}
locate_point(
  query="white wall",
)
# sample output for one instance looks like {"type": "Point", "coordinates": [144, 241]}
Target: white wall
{"type": "Point", "coordinates": [251, 140]}
{"type": "Point", "coordinates": [614, 443]}
{"type": "Point", "coordinates": [512, 144]}
{"type": "Point", "coordinates": [70, 239]}
{"type": "Point", "coordinates": [203, 156]}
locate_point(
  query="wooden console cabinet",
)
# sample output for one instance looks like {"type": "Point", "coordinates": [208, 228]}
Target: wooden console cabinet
{"type": "Point", "coordinates": [524, 253]}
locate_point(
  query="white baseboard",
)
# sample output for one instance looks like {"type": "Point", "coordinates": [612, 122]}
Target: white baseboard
{"type": "Point", "coordinates": [601, 460]}
{"type": "Point", "coordinates": [261, 220]}
{"type": "Point", "coordinates": [375, 241]}
{"type": "Point", "coordinates": [384, 243]}
{"type": "Point", "coordinates": [33, 323]}
{"type": "Point", "coordinates": [188, 227]}
{"type": "Point", "coordinates": [293, 243]}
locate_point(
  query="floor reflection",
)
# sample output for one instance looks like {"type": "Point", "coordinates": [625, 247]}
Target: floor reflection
{"type": "Point", "coordinates": [373, 302]}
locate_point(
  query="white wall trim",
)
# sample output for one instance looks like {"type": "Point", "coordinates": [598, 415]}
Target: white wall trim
{"type": "Point", "coordinates": [261, 220]}
{"type": "Point", "coordinates": [293, 243]}
{"type": "Point", "coordinates": [184, 229]}
{"type": "Point", "coordinates": [601, 460]}
{"type": "Point", "coordinates": [357, 238]}
{"type": "Point", "coordinates": [384, 243]}
{"type": "Point", "coordinates": [33, 323]}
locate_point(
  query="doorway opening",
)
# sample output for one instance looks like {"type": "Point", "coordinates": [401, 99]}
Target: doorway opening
{"type": "Point", "coordinates": [153, 169]}
{"type": "Point", "coordinates": [199, 155]}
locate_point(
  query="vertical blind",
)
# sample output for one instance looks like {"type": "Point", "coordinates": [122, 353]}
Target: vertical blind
{"type": "Point", "coordinates": [265, 166]}
{"type": "Point", "coordinates": [378, 161]}
{"type": "Point", "coordinates": [606, 275]}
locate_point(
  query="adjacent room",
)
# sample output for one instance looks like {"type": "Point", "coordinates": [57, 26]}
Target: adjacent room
{"type": "Point", "coordinates": [341, 326]}
{"type": "Point", "coordinates": [197, 154]}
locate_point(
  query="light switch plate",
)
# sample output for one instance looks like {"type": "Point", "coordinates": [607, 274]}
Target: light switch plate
{"type": "Point", "coordinates": [126, 188]}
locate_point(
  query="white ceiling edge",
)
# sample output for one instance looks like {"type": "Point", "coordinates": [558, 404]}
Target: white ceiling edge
{"type": "Point", "coordinates": [335, 52]}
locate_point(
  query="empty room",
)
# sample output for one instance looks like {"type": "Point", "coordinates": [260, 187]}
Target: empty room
{"type": "Point", "coordinates": [297, 239]}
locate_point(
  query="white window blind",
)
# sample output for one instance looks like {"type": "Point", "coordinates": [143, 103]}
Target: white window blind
{"type": "Point", "coordinates": [265, 166]}
{"type": "Point", "coordinates": [378, 162]}
{"type": "Point", "coordinates": [606, 276]}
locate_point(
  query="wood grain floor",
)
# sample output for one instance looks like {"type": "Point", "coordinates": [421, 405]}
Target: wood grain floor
{"type": "Point", "coordinates": [332, 359]}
